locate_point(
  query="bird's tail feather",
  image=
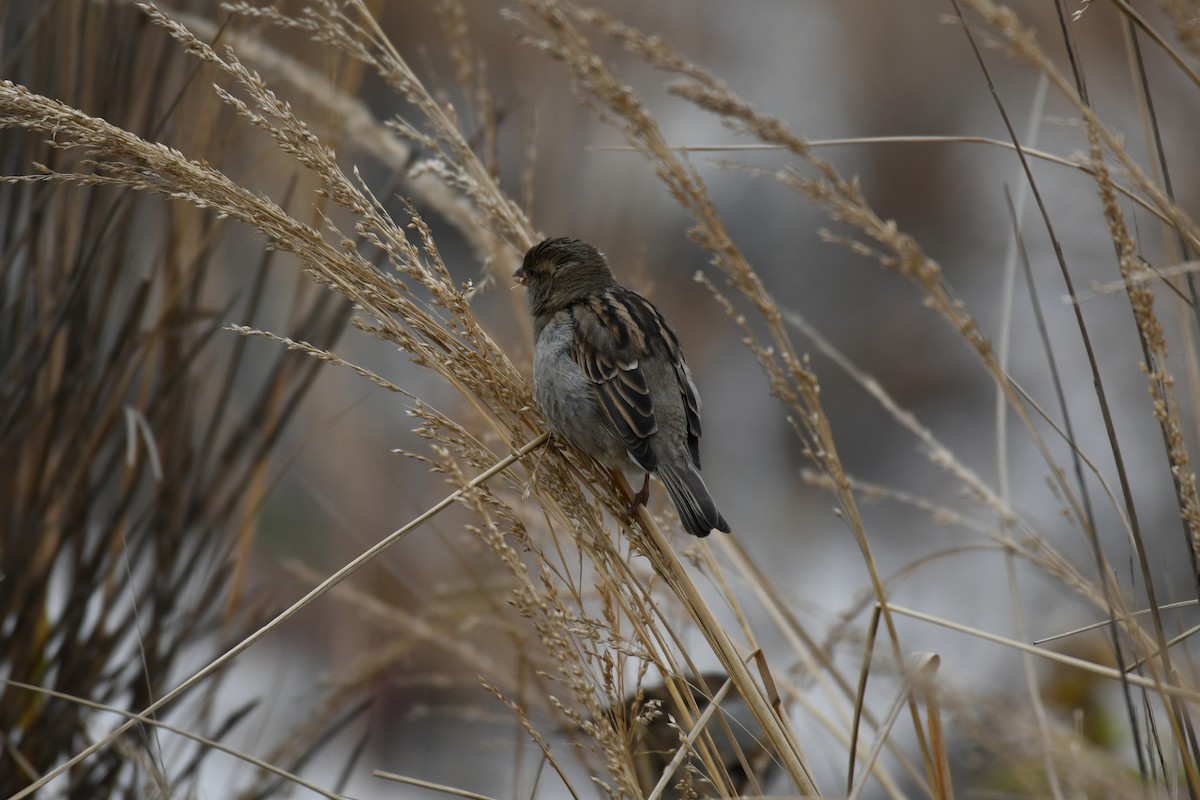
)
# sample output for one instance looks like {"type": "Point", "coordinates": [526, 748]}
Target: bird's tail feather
{"type": "Point", "coordinates": [696, 508]}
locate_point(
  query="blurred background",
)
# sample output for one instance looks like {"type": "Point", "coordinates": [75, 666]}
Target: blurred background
{"type": "Point", "coordinates": [330, 485]}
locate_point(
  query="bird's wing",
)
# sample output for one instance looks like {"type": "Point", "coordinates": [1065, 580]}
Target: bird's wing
{"type": "Point", "coordinates": [691, 398]}
{"type": "Point", "coordinates": [613, 330]}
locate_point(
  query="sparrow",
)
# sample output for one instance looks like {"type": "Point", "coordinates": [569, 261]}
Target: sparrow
{"type": "Point", "coordinates": [609, 375]}
{"type": "Point", "coordinates": [745, 762]}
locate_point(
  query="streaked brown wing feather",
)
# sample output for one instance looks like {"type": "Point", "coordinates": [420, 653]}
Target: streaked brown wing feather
{"type": "Point", "coordinates": [691, 400]}
{"type": "Point", "coordinates": [692, 404]}
{"type": "Point", "coordinates": [609, 345]}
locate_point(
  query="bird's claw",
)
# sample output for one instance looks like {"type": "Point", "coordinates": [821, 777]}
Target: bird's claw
{"type": "Point", "coordinates": [639, 499]}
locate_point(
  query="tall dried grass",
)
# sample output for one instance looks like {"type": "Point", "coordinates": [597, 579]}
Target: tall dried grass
{"type": "Point", "coordinates": [614, 628]}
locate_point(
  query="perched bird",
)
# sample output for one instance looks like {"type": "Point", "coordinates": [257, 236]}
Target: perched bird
{"type": "Point", "coordinates": [744, 762]}
{"type": "Point", "coordinates": [610, 376]}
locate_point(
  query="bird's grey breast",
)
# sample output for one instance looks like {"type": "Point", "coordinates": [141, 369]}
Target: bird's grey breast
{"type": "Point", "coordinates": [568, 399]}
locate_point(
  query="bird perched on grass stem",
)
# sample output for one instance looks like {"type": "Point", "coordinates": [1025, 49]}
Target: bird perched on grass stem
{"type": "Point", "coordinates": [610, 376]}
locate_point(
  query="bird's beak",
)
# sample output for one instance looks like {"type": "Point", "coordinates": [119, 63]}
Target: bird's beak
{"type": "Point", "coordinates": [519, 276]}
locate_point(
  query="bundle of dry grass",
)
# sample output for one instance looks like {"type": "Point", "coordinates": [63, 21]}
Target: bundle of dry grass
{"type": "Point", "coordinates": [130, 470]}
{"type": "Point", "coordinates": [137, 442]}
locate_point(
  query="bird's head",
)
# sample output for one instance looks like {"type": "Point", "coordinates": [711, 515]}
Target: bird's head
{"type": "Point", "coordinates": [561, 271]}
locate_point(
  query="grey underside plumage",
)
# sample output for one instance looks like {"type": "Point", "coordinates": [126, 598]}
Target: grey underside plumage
{"type": "Point", "coordinates": [569, 400]}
